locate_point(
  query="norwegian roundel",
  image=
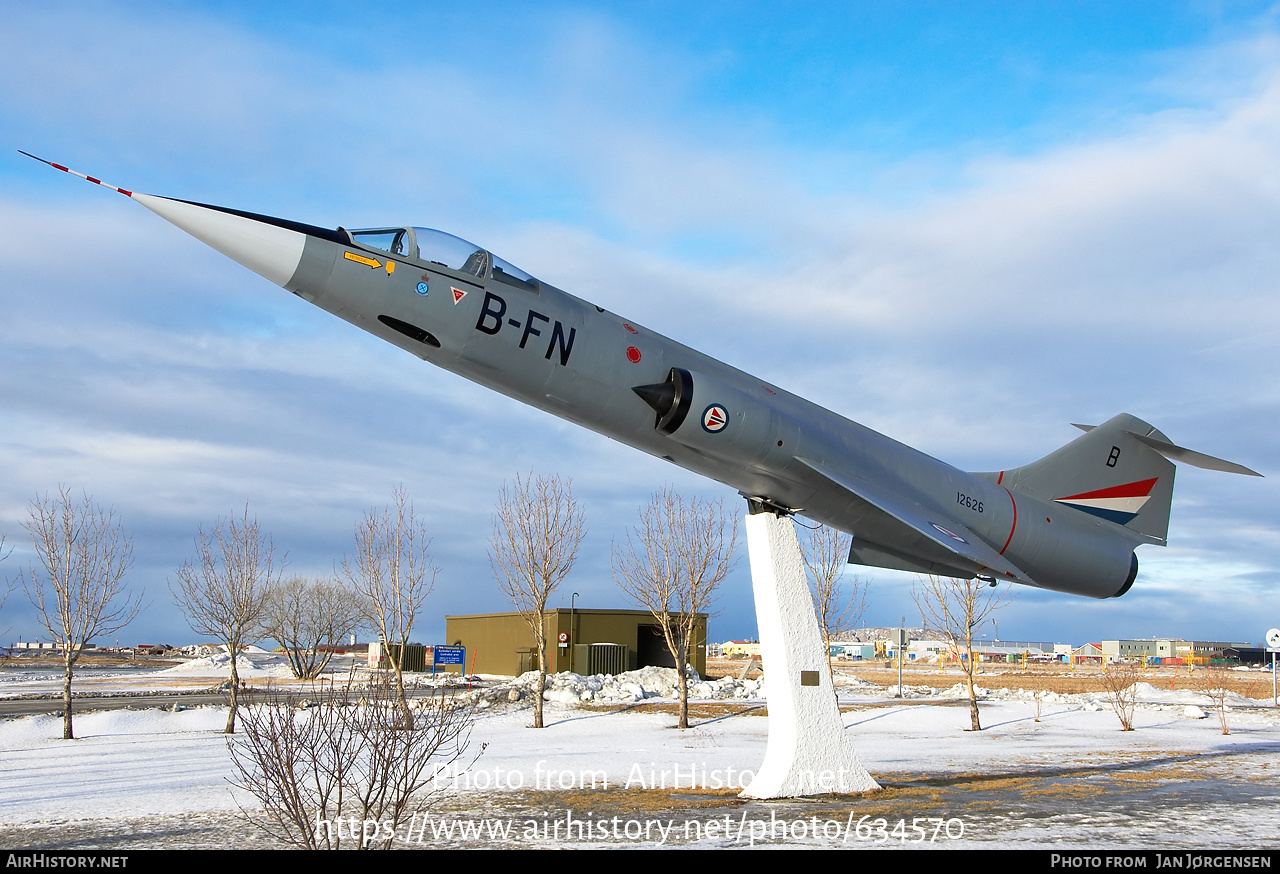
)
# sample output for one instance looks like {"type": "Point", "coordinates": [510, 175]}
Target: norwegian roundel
{"type": "Point", "coordinates": [714, 419]}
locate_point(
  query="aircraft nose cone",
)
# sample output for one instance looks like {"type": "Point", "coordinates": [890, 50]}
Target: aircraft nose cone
{"type": "Point", "coordinates": [268, 250]}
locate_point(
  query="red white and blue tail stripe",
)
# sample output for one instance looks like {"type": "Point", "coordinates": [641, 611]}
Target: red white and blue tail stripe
{"type": "Point", "coordinates": [1120, 504]}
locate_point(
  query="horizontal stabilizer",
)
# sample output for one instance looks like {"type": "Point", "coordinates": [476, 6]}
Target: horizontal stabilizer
{"type": "Point", "coordinates": [942, 529]}
{"type": "Point", "coordinates": [1182, 454]}
{"type": "Point", "coordinates": [1193, 458]}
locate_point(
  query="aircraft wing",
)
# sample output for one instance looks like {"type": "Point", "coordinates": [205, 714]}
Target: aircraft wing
{"type": "Point", "coordinates": [940, 528]}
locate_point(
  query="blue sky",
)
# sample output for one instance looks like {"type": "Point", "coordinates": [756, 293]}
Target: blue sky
{"type": "Point", "coordinates": [964, 225]}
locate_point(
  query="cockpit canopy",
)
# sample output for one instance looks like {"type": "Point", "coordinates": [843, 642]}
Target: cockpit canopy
{"type": "Point", "coordinates": [437, 247]}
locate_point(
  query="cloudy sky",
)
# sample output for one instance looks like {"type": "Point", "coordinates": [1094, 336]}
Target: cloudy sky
{"type": "Point", "coordinates": [963, 225]}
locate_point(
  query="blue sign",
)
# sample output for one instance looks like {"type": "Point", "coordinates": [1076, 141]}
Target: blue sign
{"type": "Point", "coordinates": [449, 655]}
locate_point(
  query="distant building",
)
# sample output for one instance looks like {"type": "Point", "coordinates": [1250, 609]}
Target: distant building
{"type": "Point", "coordinates": [1247, 655]}
{"type": "Point", "coordinates": [1089, 653]}
{"type": "Point", "coordinates": [853, 651]}
{"type": "Point", "coordinates": [1172, 650]}
{"type": "Point", "coordinates": [738, 649]}
{"type": "Point", "coordinates": [582, 641]}
{"type": "Point", "coordinates": [922, 650]}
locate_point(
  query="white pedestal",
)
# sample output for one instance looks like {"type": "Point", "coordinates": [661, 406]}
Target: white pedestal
{"type": "Point", "coordinates": [808, 751]}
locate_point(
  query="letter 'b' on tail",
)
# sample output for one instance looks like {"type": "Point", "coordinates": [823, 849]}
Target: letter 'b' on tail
{"type": "Point", "coordinates": [1119, 471]}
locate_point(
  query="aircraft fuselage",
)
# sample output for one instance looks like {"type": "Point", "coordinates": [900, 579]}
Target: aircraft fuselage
{"type": "Point", "coordinates": [547, 348]}
{"type": "Point", "coordinates": [1068, 522]}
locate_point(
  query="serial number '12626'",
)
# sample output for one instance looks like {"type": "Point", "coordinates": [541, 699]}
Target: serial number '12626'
{"type": "Point", "coordinates": [970, 502]}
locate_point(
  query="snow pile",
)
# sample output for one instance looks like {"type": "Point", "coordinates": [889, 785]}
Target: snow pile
{"type": "Point", "coordinates": [441, 680]}
{"type": "Point", "coordinates": [1149, 694]}
{"type": "Point", "coordinates": [960, 690]}
{"type": "Point", "coordinates": [1043, 696]}
{"type": "Point", "coordinates": [854, 683]}
{"type": "Point", "coordinates": [253, 663]}
{"type": "Point", "coordinates": [633, 686]}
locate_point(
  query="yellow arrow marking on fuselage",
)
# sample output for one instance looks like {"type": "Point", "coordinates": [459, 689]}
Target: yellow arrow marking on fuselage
{"type": "Point", "coordinates": [360, 259]}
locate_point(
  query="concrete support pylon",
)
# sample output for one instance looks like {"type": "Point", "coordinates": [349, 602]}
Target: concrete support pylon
{"type": "Point", "coordinates": [808, 752]}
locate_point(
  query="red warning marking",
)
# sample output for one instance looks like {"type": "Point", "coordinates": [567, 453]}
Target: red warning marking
{"type": "Point", "coordinates": [458, 294]}
{"type": "Point", "coordinates": [1014, 526]}
{"type": "Point", "coordinates": [629, 328]}
{"type": "Point", "coordinates": [633, 354]}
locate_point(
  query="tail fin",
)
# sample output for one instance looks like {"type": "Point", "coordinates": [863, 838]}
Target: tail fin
{"type": "Point", "coordinates": [1118, 471]}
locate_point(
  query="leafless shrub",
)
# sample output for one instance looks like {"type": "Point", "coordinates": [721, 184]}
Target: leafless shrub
{"type": "Point", "coordinates": [1120, 679]}
{"type": "Point", "coordinates": [537, 527]}
{"type": "Point", "coordinates": [958, 608]}
{"type": "Point", "coordinates": [6, 586]}
{"type": "Point", "coordinates": [338, 766]}
{"type": "Point", "coordinates": [78, 588]}
{"type": "Point", "coordinates": [392, 573]}
{"type": "Point", "coordinates": [224, 590]}
{"type": "Point", "coordinates": [307, 617]}
{"type": "Point", "coordinates": [671, 564]}
{"type": "Point", "coordinates": [1212, 681]}
{"type": "Point", "coordinates": [839, 608]}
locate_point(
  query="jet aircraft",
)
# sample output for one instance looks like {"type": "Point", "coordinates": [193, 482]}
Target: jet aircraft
{"type": "Point", "coordinates": [1070, 522]}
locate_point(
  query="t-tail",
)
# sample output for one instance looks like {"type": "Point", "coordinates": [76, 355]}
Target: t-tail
{"type": "Point", "coordinates": [1120, 471]}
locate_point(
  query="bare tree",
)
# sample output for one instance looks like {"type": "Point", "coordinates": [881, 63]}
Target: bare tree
{"type": "Point", "coordinates": [1212, 681]}
{"type": "Point", "coordinates": [839, 607]}
{"type": "Point", "coordinates": [308, 617]}
{"type": "Point", "coordinates": [78, 587]}
{"type": "Point", "coordinates": [537, 527]}
{"type": "Point", "coordinates": [392, 574]}
{"type": "Point", "coordinates": [1120, 679]}
{"type": "Point", "coordinates": [338, 765]}
{"type": "Point", "coordinates": [8, 584]}
{"type": "Point", "coordinates": [957, 608]}
{"type": "Point", "coordinates": [671, 564]}
{"type": "Point", "coordinates": [224, 589]}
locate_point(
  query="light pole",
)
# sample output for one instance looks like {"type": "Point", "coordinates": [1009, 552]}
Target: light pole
{"type": "Point", "coordinates": [1273, 644]}
{"type": "Point", "coordinates": [902, 642]}
{"type": "Point", "coordinates": [573, 632]}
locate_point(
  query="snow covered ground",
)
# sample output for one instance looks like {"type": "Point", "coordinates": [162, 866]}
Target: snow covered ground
{"type": "Point", "coordinates": [604, 774]}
